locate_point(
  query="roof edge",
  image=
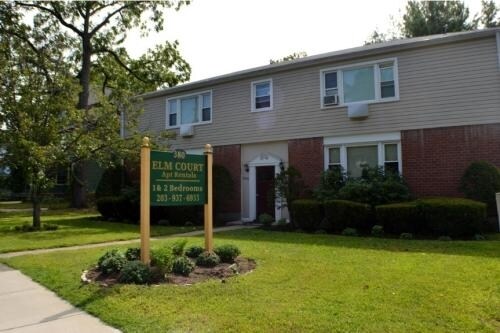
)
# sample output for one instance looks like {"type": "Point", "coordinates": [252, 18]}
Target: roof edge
{"type": "Point", "coordinates": [350, 53]}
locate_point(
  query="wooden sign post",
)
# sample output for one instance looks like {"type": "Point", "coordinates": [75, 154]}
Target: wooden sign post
{"type": "Point", "coordinates": [209, 244]}
{"type": "Point", "coordinates": [175, 179]}
{"type": "Point", "coordinates": [145, 199]}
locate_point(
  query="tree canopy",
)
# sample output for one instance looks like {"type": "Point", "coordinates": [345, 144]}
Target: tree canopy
{"type": "Point", "coordinates": [91, 36]}
{"type": "Point", "coordinates": [422, 18]}
{"type": "Point", "coordinates": [293, 56]}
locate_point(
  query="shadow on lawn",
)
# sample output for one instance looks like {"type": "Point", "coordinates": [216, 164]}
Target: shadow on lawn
{"type": "Point", "coordinates": [462, 248]}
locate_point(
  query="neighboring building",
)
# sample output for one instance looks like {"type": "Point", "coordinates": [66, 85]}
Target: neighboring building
{"type": "Point", "coordinates": [425, 106]}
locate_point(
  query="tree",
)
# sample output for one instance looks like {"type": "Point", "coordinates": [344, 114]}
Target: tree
{"type": "Point", "coordinates": [489, 15]}
{"type": "Point", "coordinates": [293, 56]}
{"type": "Point", "coordinates": [423, 18]}
{"type": "Point", "coordinates": [94, 34]}
{"type": "Point", "coordinates": [288, 186]}
{"type": "Point", "coordinates": [42, 127]}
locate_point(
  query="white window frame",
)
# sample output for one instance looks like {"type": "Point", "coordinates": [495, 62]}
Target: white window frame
{"type": "Point", "coordinates": [340, 82]}
{"type": "Point", "coordinates": [199, 95]}
{"type": "Point", "coordinates": [253, 95]}
{"type": "Point", "coordinates": [379, 140]}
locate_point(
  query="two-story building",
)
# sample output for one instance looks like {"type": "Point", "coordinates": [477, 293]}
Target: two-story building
{"type": "Point", "coordinates": [425, 106]}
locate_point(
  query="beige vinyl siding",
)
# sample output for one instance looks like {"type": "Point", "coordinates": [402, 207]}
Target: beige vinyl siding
{"type": "Point", "coordinates": [445, 85]}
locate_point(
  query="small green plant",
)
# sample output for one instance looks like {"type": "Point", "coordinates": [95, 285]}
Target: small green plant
{"type": "Point", "coordinates": [30, 228]}
{"type": "Point", "coordinates": [182, 266]}
{"type": "Point", "coordinates": [208, 259]}
{"type": "Point", "coordinates": [266, 219]}
{"type": "Point", "coordinates": [444, 238]}
{"type": "Point", "coordinates": [133, 253]}
{"type": "Point", "coordinates": [111, 262]}
{"type": "Point", "coordinates": [227, 253]}
{"type": "Point", "coordinates": [162, 258]}
{"type": "Point", "coordinates": [194, 251]}
{"type": "Point", "coordinates": [349, 232]}
{"type": "Point", "coordinates": [135, 272]}
{"type": "Point", "coordinates": [479, 237]}
{"type": "Point", "coordinates": [406, 235]}
{"type": "Point", "coordinates": [377, 231]}
{"type": "Point", "coordinates": [178, 247]}
{"type": "Point", "coordinates": [281, 221]}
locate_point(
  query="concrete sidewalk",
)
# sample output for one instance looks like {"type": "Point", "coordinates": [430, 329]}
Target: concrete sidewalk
{"type": "Point", "coordinates": [131, 241]}
{"type": "Point", "coordinates": [25, 307]}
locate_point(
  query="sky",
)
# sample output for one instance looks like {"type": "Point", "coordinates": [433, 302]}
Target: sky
{"type": "Point", "coordinates": [222, 36]}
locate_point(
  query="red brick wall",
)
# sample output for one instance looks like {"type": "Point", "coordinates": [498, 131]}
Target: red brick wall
{"type": "Point", "coordinates": [230, 157]}
{"type": "Point", "coordinates": [435, 159]}
{"type": "Point", "coordinates": [306, 155]}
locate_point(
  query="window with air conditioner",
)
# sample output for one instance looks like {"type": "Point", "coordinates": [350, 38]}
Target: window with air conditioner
{"type": "Point", "coordinates": [370, 82]}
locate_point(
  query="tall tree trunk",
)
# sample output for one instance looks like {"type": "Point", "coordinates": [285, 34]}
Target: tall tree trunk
{"type": "Point", "coordinates": [79, 197]}
{"type": "Point", "coordinates": [36, 207]}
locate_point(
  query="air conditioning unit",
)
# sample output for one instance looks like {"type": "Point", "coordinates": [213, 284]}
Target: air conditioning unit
{"type": "Point", "coordinates": [357, 111]}
{"type": "Point", "coordinates": [331, 100]}
{"type": "Point", "coordinates": [187, 131]}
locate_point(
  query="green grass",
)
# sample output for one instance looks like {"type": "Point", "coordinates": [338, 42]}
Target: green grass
{"type": "Point", "coordinates": [315, 283]}
{"type": "Point", "coordinates": [75, 228]}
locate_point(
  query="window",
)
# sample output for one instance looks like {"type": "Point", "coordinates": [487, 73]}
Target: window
{"type": "Point", "coordinates": [262, 95]}
{"type": "Point", "coordinates": [370, 82]}
{"type": "Point", "coordinates": [359, 158]}
{"type": "Point", "coordinates": [391, 162]}
{"type": "Point", "coordinates": [353, 156]}
{"type": "Point", "coordinates": [192, 109]}
{"type": "Point", "coordinates": [358, 85]}
{"type": "Point", "coordinates": [334, 159]}
{"type": "Point", "coordinates": [387, 87]}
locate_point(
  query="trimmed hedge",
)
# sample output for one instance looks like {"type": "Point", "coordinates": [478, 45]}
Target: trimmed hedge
{"type": "Point", "coordinates": [453, 217]}
{"type": "Point", "coordinates": [306, 214]}
{"type": "Point", "coordinates": [400, 218]}
{"type": "Point", "coordinates": [342, 214]}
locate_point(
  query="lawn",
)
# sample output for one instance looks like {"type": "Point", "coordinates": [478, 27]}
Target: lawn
{"type": "Point", "coordinates": [75, 228]}
{"type": "Point", "coordinates": [303, 282]}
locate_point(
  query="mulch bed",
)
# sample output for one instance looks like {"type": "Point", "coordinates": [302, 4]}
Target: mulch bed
{"type": "Point", "coordinates": [220, 272]}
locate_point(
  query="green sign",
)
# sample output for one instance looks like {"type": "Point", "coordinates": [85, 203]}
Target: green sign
{"type": "Point", "coordinates": [177, 179]}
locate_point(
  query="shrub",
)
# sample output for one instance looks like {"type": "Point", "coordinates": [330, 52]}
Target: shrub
{"type": "Point", "coordinates": [400, 218]}
{"type": "Point", "coordinates": [162, 258]}
{"type": "Point", "coordinates": [112, 181]}
{"type": "Point", "coordinates": [111, 262]}
{"type": "Point", "coordinates": [331, 182]}
{"type": "Point", "coordinates": [341, 214]}
{"type": "Point", "coordinates": [444, 238]}
{"type": "Point", "coordinates": [178, 247]}
{"type": "Point", "coordinates": [406, 235]}
{"type": "Point", "coordinates": [306, 214]}
{"type": "Point", "coordinates": [480, 182]}
{"type": "Point", "coordinates": [182, 266]}
{"type": "Point", "coordinates": [375, 187]}
{"type": "Point", "coordinates": [194, 251]}
{"type": "Point", "coordinates": [453, 217]}
{"type": "Point", "coordinates": [133, 253]}
{"type": "Point", "coordinates": [266, 219]}
{"type": "Point", "coordinates": [26, 227]}
{"type": "Point", "coordinates": [135, 272]}
{"type": "Point", "coordinates": [110, 207]}
{"type": "Point", "coordinates": [227, 253]}
{"type": "Point", "coordinates": [208, 259]}
{"type": "Point", "coordinates": [377, 230]}
{"type": "Point", "coordinates": [349, 232]}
